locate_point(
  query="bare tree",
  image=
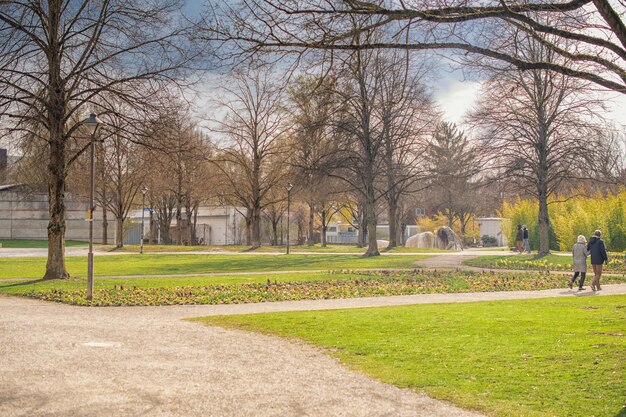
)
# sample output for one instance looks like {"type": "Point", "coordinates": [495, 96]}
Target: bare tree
{"type": "Point", "coordinates": [589, 35]}
{"type": "Point", "coordinates": [182, 171]}
{"type": "Point", "coordinates": [124, 173]}
{"type": "Point", "coordinates": [252, 162]}
{"type": "Point", "coordinates": [313, 148]}
{"type": "Point", "coordinates": [408, 115]}
{"type": "Point", "coordinates": [58, 57]}
{"type": "Point", "coordinates": [540, 130]}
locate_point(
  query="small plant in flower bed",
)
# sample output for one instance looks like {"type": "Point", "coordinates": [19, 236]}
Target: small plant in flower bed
{"type": "Point", "coordinates": [615, 265]}
{"type": "Point", "coordinates": [372, 284]}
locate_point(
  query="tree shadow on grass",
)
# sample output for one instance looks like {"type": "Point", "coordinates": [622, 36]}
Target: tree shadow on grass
{"type": "Point", "coordinates": [622, 412]}
{"type": "Point", "coordinates": [22, 283]}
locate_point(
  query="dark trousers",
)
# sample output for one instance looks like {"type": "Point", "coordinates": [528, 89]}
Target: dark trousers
{"type": "Point", "coordinates": [582, 278]}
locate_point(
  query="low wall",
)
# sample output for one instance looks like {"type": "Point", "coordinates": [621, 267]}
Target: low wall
{"type": "Point", "coordinates": [25, 216]}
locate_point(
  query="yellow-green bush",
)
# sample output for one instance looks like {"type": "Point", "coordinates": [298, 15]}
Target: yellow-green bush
{"type": "Point", "coordinates": [521, 212]}
{"type": "Point", "coordinates": [570, 217]}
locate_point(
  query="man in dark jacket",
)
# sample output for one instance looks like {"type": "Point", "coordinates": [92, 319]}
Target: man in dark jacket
{"type": "Point", "coordinates": [525, 243]}
{"type": "Point", "coordinates": [598, 257]}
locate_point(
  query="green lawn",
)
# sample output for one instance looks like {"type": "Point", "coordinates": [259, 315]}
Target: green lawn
{"type": "Point", "coordinates": [266, 249]}
{"type": "Point", "coordinates": [39, 285]}
{"type": "Point", "coordinates": [617, 262]}
{"type": "Point", "coordinates": [31, 243]}
{"type": "Point", "coordinates": [549, 357]}
{"type": "Point", "coordinates": [166, 264]}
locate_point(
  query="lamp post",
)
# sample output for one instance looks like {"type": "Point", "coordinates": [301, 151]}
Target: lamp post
{"type": "Point", "coordinates": [92, 122]}
{"type": "Point", "coordinates": [288, 187]}
{"type": "Point", "coordinates": [144, 190]}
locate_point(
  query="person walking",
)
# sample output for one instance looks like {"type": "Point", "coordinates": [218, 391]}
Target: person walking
{"type": "Point", "coordinates": [579, 255]}
{"type": "Point", "coordinates": [525, 243]}
{"type": "Point", "coordinates": [519, 237]}
{"type": "Point", "coordinates": [596, 249]}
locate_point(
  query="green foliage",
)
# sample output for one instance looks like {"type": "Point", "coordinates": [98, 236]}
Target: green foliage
{"type": "Point", "coordinates": [571, 218]}
{"type": "Point", "coordinates": [521, 212]}
{"type": "Point", "coordinates": [615, 225]}
{"type": "Point", "coordinates": [617, 263]}
{"type": "Point", "coordinates": [489, 240]}
{"type": "Point", "coordinates": [540, 358]}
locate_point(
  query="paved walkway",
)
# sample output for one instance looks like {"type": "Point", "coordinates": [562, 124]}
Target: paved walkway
{"type": "Point", "coordinates": [82, 251]}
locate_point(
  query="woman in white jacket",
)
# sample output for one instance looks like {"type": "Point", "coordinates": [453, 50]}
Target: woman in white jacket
{"type": "Point", "coordinates": [579, 253]}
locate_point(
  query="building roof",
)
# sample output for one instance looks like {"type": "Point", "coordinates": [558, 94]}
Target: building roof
{"type": "Point", "coordinates": [8, 186]}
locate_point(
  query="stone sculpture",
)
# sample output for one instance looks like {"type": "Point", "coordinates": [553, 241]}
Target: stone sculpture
{"type": "Point", "coordinates": [447, 239]}
{"type": "Point", "coordinates": [421, 240]}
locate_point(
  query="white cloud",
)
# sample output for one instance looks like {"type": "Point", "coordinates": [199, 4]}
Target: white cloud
{"type": "Point", "coordinates": [456, 98]}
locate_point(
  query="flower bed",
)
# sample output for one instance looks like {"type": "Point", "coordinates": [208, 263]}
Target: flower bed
{"type": "Point", "coordinates": [615, 265]}
{"type": "Point", "coordinates": [373, 284]}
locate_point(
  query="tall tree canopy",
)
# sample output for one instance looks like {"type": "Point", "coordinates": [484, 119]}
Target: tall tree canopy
{"type": "Point", "coordinates": [58, 57]}
{"type": "Point", "coordinates": [590, 35]}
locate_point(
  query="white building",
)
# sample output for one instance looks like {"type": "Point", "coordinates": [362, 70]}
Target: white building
{"type": "Point", "coordinates": [492, 226]}
{"type": "Point", "coordinates": [215, 225]}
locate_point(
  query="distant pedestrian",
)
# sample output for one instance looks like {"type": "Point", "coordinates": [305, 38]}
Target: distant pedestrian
{"type": "Point", "coordinates": [525, 243]}
{"type": "Point", "coordinates": [598, 257]}
{"type": "Point", "coordinates": [519, 238]}
{"type": "Point", "coordinates": [579, 253]}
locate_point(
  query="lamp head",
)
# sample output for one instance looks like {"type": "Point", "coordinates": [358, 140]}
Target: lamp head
{"type": "Point", "coordinates": [92, 122]}
{"type": "Point", "coordinates": [289, 186]}
{"type": "Point", "coordinates": [144, 190]}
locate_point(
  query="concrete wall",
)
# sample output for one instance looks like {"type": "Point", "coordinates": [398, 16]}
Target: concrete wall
{"type": "Point", "coordinates": [25, 216]}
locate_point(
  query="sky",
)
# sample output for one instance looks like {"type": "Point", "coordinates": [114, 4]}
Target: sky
{"type": "Point", "coordinates": [456, 96]}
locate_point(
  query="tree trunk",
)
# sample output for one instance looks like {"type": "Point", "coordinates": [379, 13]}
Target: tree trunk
{"type": "Point", "coordinates": [311, 234]}
{"type": "Point", "coordinates": [275, 232]}
{"type": "Point", "coordinates": [105, 226]}
{"type": "Point", "coordinates": [392, 214]}
{"type": "Point", "coordinates": [372, 244]}
{"type": "Point", "coordinates": [324, 227]}
{"type": "Point", "coordinates": [55, 266]}
{"type": "Point", "coordinates": [370, 215]}
{"type": "Point", "coordinates": [544, 225]}
{"type": "Point", "coordinates": [248, 219]}
{"type": "Point", "coordinates": [255, 217]}
{"type": "Point", "coordinates": [179, 224]}
{"type": "Point", "coordinates": [119, 232]}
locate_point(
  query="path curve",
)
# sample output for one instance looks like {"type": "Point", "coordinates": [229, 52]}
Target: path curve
{"type": "Point", "coordinates": [59, 360]}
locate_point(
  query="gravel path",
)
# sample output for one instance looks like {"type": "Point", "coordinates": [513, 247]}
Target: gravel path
{"type": "Point", "coordinates": [58, 360]}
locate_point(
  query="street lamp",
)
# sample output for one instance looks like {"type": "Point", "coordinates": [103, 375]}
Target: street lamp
{"type": "Point", "coordinates": [144, 190]}
{"type": "Point", "coordinates": [289, 188]}
{"type": "Point", "coordinates": [92, 122]}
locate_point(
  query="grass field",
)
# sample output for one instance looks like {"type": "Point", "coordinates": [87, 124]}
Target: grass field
{"type": "Point", "coordinates": [31, 243]}
{"type": "Point", "coordinates": [38, 285]}
{"type": "Point", "coordinates": [168, 264]}
{"type": "Point", "coordinates": [549, 357]}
